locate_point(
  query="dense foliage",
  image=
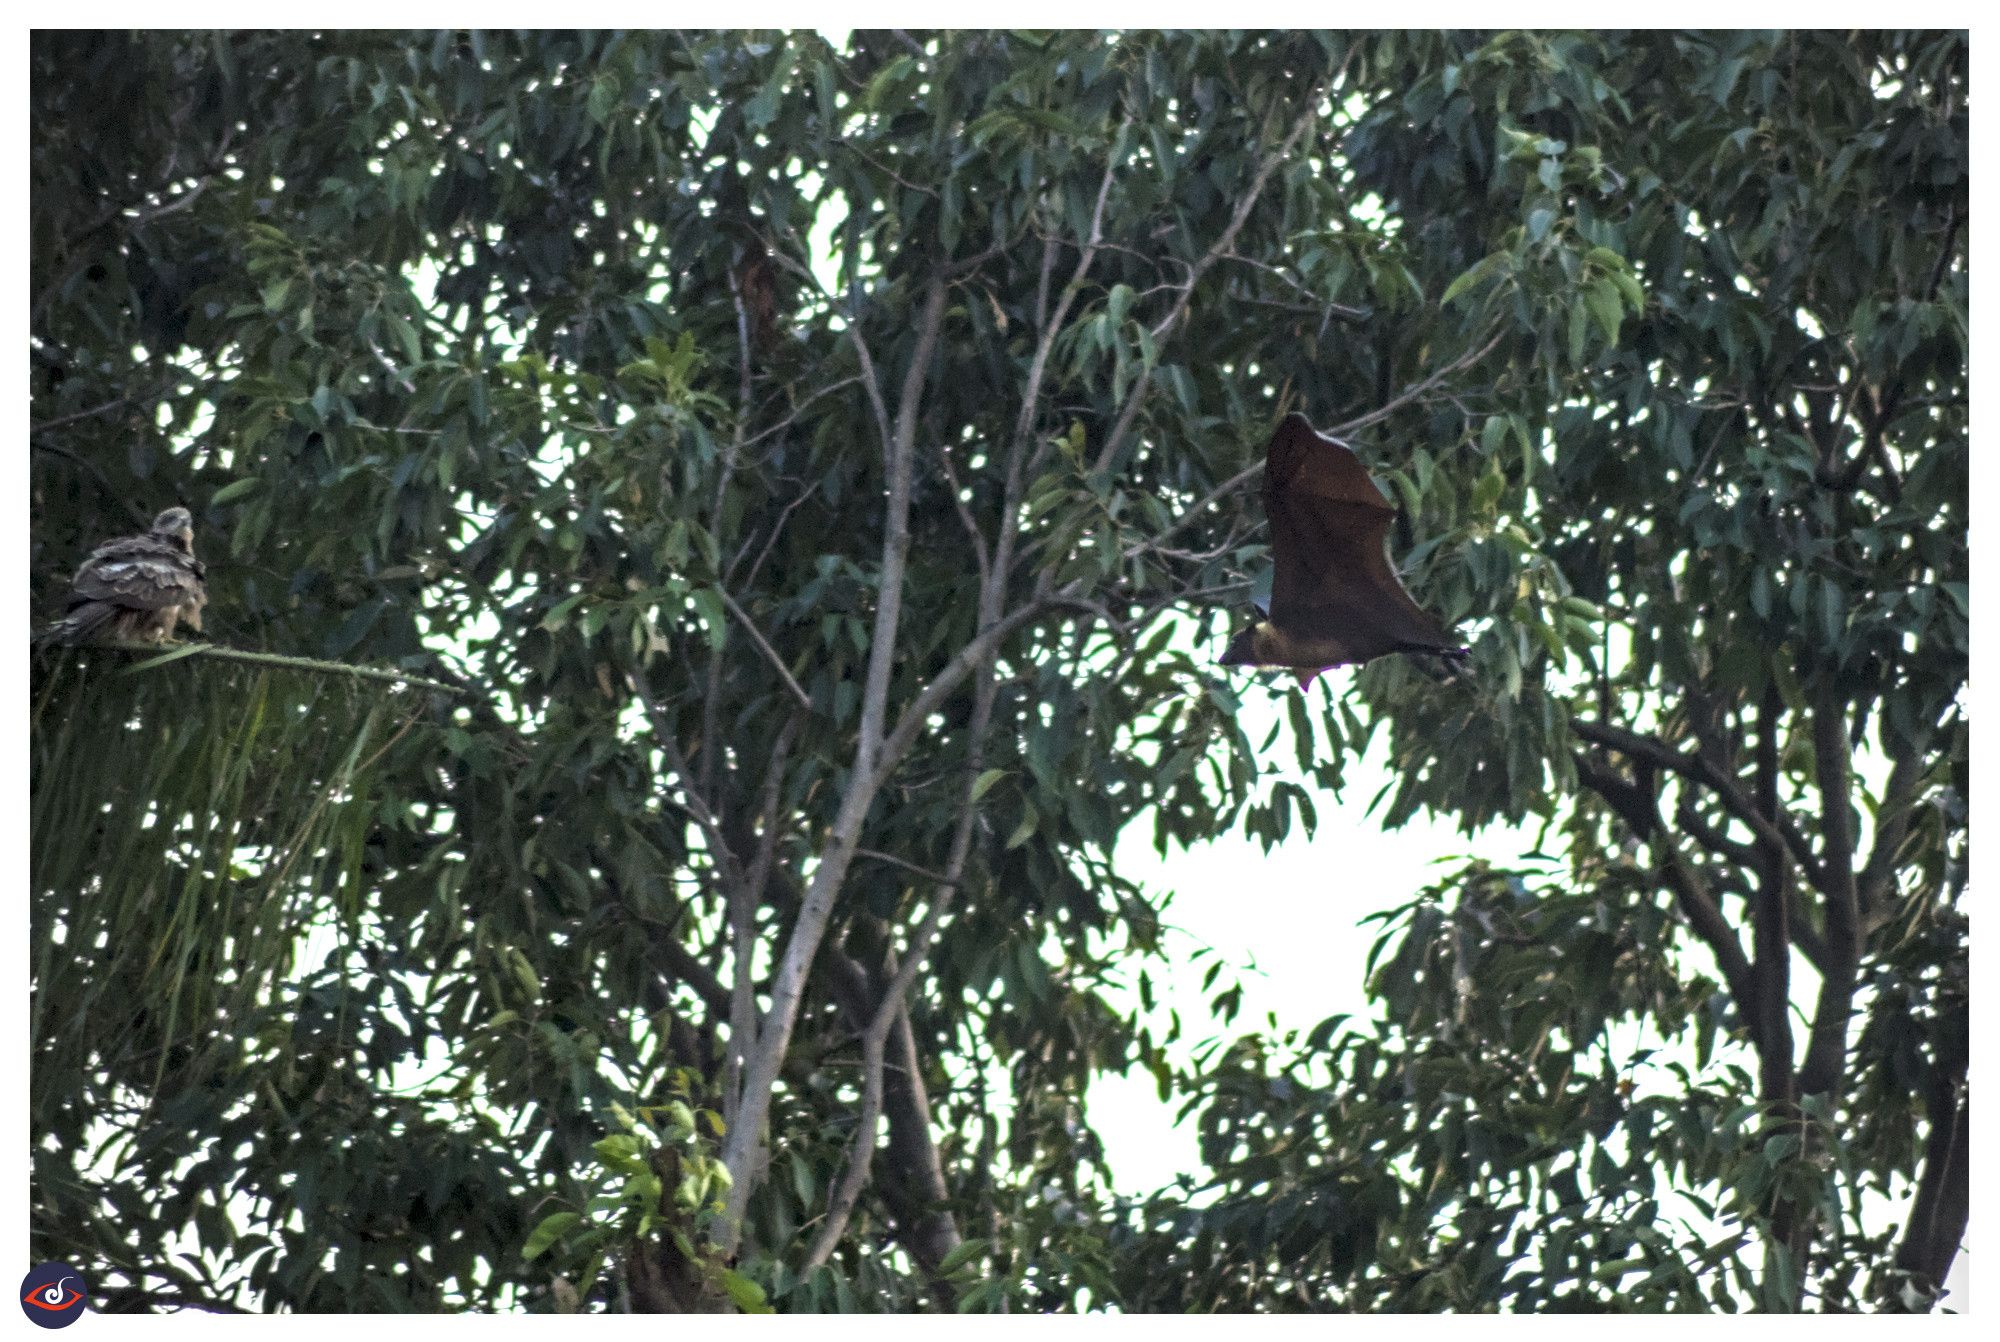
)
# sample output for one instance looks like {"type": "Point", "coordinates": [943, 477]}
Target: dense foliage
{"type": "Point", "coordinates": [816, 475]}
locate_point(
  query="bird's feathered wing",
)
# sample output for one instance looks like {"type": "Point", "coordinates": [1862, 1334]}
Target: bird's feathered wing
{"type": "Point", "coordinates": [135, 586]}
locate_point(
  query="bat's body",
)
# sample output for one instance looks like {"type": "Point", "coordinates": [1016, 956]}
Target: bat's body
{"type": "Point", "coordinates": [137, 588]}
{"type": "Point", "coordinates": [1334, 599]}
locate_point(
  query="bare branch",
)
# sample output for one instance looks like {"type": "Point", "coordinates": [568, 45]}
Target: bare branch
{"type": "Point", "coordinates": [896, 532]}
{"type": "Point", "coordinates": [711, 703]}
{"type": "Point", "coordinates": [1893, 815]}
{"type": "Point", "coordinates": [1786, 839]}
{"type": "Point", "coordinates": [770, 653]}
{"type": "Point", "coordinates": [891, 859]}
{"type": "Point", "coordinates": [309, 665]}
{"type": "Point", "coordinates": [692, 800]}
{"type": "Point", "coordinates": [777, 529]}
{"type": "Point", "coordinates": [743, 903]}
{"type": "Point", "coordinates": [1826, 1054]}
{"type": "Point", "coordinates": [873, 386]}
{"type": "Point", "coordinates": [1638, 807]}
{"type": "Point", "coordinates": [800, 409]}
{"type": "Point", "coordinates": [1391, 406]}
{"type": "Point", "coordinates": [942, 686]}
{"type": "Point", "coordinates": [1936, 1228]}
{"type": "Point", "coordinates": [891, 1008]}
{"type": "Point", "coordinates": [1770, 939]}
{"type": "Point", "coordinates": [145, 394]}
{"type": "Point", "coordinates": [1031, 394]}
{"type": "Point", "coordinates": [873, 759]}
{"type": "Point", "coordinates": [965, 517]}
{"type": "Point", "coordinates": [1316, 303]}
{"type": "Point", "coordinates": [1220, 248]}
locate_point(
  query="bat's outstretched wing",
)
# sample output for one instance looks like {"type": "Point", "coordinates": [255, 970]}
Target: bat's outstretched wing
{"type": "Point", "coordinates": [1329, 522]}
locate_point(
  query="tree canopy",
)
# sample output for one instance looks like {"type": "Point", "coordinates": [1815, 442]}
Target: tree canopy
{"type": "Point", "coordinates": [811, 480]}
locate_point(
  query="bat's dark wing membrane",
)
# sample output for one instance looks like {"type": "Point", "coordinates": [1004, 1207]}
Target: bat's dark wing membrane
{"type": "Point", "coordinates": [139, 573]}
{"type": "Point", "coordinates": [1329, 522]}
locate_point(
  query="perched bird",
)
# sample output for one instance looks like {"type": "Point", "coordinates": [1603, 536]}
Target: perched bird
{"type": "Point", "coordinates": [1334, 598]}
{"type": "Point", "coordinates": [137, 588]}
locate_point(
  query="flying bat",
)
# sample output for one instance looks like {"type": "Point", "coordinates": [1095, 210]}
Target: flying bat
{"type": "Point", "coordinates": [1334, 598]}
{"type": "Point", "coordinates": [137, 588]}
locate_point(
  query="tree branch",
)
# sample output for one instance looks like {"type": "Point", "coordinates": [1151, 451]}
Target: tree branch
{"type": "Point", "coordinates": [891, 1008]}
{"type": "Point", "coordinates": [743, 902]}
{"type": "Point", "coordinates": [1826, 1053]}
{"type": "Point", "coordinates": [1409, 394]}
{"type": "Point", "coordinates": [915, 1188]}
{"type": "Point", "coordinates": [1221, 248]}
{"type": "Point", "coordinates": [1780, 839]}
{"type": "Point", "coordinates": [1770, 917]}
{"type": "Point", "coordinates": [1893, 815]}
{"type": "Point", "coordinates": [309, 665]}
{"type": "Point", "coordinates": [1638, 807]}
{"type": "Point", "coordinates": [743, 1147]}
{"type": "Point", "coordinates": [770, 653]}
{"type": "Point", "coordinates": [1936, 1227]}
{"type": "Point", "coordinates": [692, 800]}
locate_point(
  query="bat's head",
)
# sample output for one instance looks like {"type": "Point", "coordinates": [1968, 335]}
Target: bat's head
{"type": "Point", "coordinates": [1242, 650]}
{"type": "Point", "coordinates": [175, 524]}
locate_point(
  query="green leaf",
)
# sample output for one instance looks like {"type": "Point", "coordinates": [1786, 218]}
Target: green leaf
{"type": "Point", "coordinates": [1608, 306]}
{"type": "Point", "coordinates": [966, 1252]}
{"type": "Point", "coordinates": [1579, 330]}
{"type": "Point", "coordinates": [406, 336]}
{"type": "Point", "coordinates": [552, 1228]}
{"type": "Point", "coordinates": [558, 616]}
{"type": "Point", "coordinates": [985, 781]}
{"type": "Point", "coordinates": [747, 1294]}
{"type": "Point", "coordinates": [1629, 287]}
{"type": "Point", "coordinates": [1119, 303]}
{"type": "Point", "coordinates": [762, 109]}
{"type": "Point", "coordinates": [1473, 275]}
{"type": "Point", "coordinates": [604, 94]}
{"type": "Point", "coordinates": [185, 650]}
{"type": "Point", "coordinates": [354, 628]}
{"type": "Point", "coordinates": [708, 604]}
{"type": "Point", "coordinates": [1025, 830]}
{"type": "Point", "coordinates": [886, 78]}
{"type": "Point", "coordinates": [979, 1298]}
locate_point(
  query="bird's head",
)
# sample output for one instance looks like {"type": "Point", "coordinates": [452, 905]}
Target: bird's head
{"type": "Point", "coordinates": [175, 524]}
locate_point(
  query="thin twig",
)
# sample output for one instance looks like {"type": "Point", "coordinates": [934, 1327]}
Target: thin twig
{"type": "Point", "coordinates": [743, 901]}
{"type": "Point", "coordinates": [1390, 407]}
{"type": "Point", "coordinates": [911, 867]}
{"type": "Point", "coordinates": [307, 664]}
{"type": "Point", "coordinates": [770, 653]}
{"type": "Point", "coordinates": [711, 828]}
{"type": "Point", "coordinates": [1115, 440]}
{"type": "Point", "coordinates": [153, 393]}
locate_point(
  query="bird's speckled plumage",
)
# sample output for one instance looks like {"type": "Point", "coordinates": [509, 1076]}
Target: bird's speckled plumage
{"type": "Point", "coordinates": [137, 588]}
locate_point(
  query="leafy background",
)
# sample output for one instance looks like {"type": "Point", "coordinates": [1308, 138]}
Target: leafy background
{"type": "Point", "coordinates": [818, 470]}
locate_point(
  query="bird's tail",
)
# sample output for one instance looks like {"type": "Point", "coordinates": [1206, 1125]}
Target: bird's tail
{"type": "Point", "coordinates": [79, 625]}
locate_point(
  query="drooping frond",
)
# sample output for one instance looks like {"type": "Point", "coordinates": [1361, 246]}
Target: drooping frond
{"type": "Point", "coordinates": [192, 823]}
